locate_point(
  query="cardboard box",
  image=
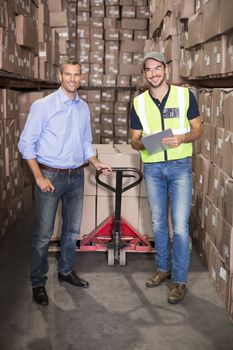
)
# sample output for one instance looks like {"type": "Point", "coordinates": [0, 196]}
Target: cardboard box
{"type": "Point", "coordinates": [195, 30]}
{"type": "Point", "coordinates": [129, 209]}
{"type": "Point", "coordinates": [44, 15]}
{"type": "Point", "coordinates": [227, 105]}
{"type": "Point", "coordinates": [227, 153]}
{"type": "Point", "coordinates": [225, 15]}
{"type": "Point", "coordinates": [59, 19]}
{"type": "Point", "coordinates": [26, 32]}
{"type": "Point", "coordinates": [118, 159]}
{"type": "Point", "coordinates": [211, 27]}
{"type": "Point", "coordinates": [132, 46]}
{"type": "Point", "coordinates": [134, 23]}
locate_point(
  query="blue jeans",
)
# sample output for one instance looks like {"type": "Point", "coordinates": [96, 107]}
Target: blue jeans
{"type": "Point", "coordinates": [173, 180]}
{"type": "Point", "coordinates": [69, 189]}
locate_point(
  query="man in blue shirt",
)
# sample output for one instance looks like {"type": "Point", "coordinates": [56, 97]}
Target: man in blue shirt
{"type": "Point", "coordinates": [57, 144]}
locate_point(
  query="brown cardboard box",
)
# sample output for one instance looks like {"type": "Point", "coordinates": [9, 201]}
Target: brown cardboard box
{"type": "Point", "coordinates": [225, 15]}
{"type": "Point", "coordinates": [58, 19]}
{"type": "Point", "coordinates": [111, 34]}
{"type": "Point", "coordinates": [217, 100]}
{"type": "Point", "coordinates": [126, 34]}
{"type": "Point", "coordinates": [229, 53]}
{"type": "Point", "coordinates": [219, 139]}
{"type": "Point", "coordinates": [129, 209]}
{"type": "Point", "coordinates": [227, 153]}
{"type": "Point", "coordinates": [44, 17]}
{"type": "Point", "coordinates": [173, 72]}
{"type": "Point", "coordinates": [109, 80]}
{"type": "Point", "coordinates": [227, 105]}
{"type": "Point", "coordinates": [96, 22]}
{"type": "Point", "coordinates": [211, 27]}
{"type": "Point", "coordinates": [224, 243]}
{"type": "Point", "coordinates": [111, 68]}
{"type": "Point", "coordinates": [110, 23]}
{"type": "Point", "coordinates": [128, 11]}
{"type": "Point", "coordinates": [134, 23]}
{"type": "Point", "coordinates": [106, 130]}
{"type": "Point", "coordinates": [222, 280]}
{"type": "Point", "coordinates": [132, 46]}
{"type": "Point", "coordinates": [97, 11]}
{"type": "Point", "coordinates": [197, 70]}
{"type": "Point", "coordinates": [116, 159]}
{"type": "Point", "coordinates": [121, 130]}
{"type": "Point", "coordinates": [171, 48]}
{"type": "Point", "coordinates": [186, 8]}
{"type": "Point", "coordinates": [96, 129]}
{"type": "Point", "coordinates": [123, 96]}
{"type": "Point", "coordinates": [219, 55]}
{"type": "Point", "coordinates": [107, 119]}
{"type": "Point", "coordinates": [126, 69]}
{"type": "Point", "coordinates": [56, 5]}
{"type": "Point", "coordinates": [83, 18]}
{"type": "Point", "coordinates": [169, 26]}
{"type": "Point", "coordinates": [27, 98]}
{"type": "Point", "coordinates": [83, 5]}
{"type": "Point", "coordinates": [97, 45]}
{"type": "Point", "coordinates": [26, 32]}
{"type": "Point", "coordinates": [123, 80]}
{"type": "Point", "coordinates": [95, 80]}
{"type": "Point", "coordinates": [108, 95]}
{"type": "Point", "coordinates": [112, 11]}
{"type": "Point", "coordinates": [195, 30]}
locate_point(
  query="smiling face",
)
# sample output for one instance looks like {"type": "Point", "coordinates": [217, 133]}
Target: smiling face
{"type": "Point", "coordinates": [154, 72]}
{"type": "Point", "coordinates": [70, 78]}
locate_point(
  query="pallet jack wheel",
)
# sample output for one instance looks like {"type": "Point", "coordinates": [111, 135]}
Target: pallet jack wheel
{"type": "Point", "coordinates": [122, 257]}
{"type": "Point", "coordinates": [111, 257]}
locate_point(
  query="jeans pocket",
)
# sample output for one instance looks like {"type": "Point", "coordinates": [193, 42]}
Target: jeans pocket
{"type": "Point", "coordinates": [51, 175]}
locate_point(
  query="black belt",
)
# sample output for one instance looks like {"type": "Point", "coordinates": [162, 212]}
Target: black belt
{"type": "Point", "coordinates": [67, 170]}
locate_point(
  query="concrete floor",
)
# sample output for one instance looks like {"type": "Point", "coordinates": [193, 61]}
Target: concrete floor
{"type": "Point", "coordinates": [117, 312]}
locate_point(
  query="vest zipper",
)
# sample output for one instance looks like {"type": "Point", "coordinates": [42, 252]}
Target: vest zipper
{"type": "Point", "coordinates": [163, 128]}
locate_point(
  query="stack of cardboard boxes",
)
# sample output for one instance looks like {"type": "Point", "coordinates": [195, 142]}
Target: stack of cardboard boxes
{"type": "Point", "coordinates": [99, 202]}
{"type": "Point", "coordinates": [201, 33]}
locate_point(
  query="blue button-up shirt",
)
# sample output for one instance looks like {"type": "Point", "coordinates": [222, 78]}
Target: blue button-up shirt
{"type": "Point", "coordinates": [58, 132]}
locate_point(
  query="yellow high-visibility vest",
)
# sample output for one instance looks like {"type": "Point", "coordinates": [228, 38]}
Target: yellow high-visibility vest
{"type": "Point", "coordinates": [174, 117]}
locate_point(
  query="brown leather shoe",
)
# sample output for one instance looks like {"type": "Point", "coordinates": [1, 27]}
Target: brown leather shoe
{"type": "Point", "coordinates": [177, 293]}
{"type": "Point", "coordinates": [157, 278]}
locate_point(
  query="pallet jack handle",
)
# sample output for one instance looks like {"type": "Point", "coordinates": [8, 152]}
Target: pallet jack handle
{"type": "Point", "coordinates": [121, 171]}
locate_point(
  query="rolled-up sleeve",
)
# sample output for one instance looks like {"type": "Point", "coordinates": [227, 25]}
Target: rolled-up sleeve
{"type": "Point", "coordinates": [29, 138]}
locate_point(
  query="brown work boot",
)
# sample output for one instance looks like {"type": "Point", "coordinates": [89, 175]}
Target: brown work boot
{"type": "Point", "coordinates": [157, 278]}
{"type": "Point", "coordinates": [177, 293]}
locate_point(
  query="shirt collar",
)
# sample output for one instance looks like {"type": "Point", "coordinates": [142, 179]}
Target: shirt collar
{"type": "Point", "coordinates": [165, 97]}
{"type": "Point", "coordinates": [65, 98]}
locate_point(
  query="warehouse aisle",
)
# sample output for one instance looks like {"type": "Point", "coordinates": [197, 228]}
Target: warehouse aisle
{"type": "Point", "coordinates": [117, 312]}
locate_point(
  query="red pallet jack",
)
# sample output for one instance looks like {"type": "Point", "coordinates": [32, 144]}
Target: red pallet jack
{"type": "Point", "coordinates": [115, 235]}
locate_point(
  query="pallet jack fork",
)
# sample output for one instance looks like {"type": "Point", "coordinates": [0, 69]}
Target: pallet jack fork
{"type": "Point", "coordinates": [115, 235]}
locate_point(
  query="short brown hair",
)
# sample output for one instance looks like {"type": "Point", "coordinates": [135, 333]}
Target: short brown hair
{"type": "Point", "coordinates": [72, 61]}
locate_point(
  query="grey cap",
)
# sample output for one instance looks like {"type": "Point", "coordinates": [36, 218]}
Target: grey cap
{"type": "Point", "coordinates": [154, 55]}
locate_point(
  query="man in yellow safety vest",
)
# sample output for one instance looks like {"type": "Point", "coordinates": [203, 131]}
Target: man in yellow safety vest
{"type": "Point", "coordinates": [167, 170]}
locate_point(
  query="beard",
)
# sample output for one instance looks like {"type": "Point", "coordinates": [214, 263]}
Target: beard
{"type": "Point", "coordinates": [158, 84]}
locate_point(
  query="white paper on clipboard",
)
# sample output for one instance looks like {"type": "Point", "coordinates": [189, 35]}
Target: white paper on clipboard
{"type": "Point", "coordinates": [153, 143]}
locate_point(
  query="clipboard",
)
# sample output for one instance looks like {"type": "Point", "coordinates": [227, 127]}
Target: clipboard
{"type": "Point", "coordinates": [153, 143]}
